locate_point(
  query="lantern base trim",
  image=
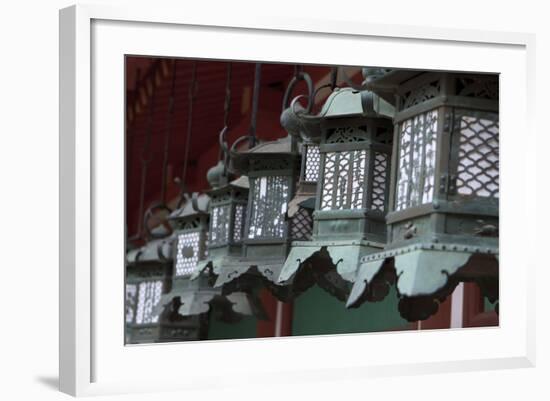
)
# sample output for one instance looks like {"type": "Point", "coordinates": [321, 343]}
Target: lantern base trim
{"type": "Point", "coordinates": [425, 272]}
{"type": "Point", "coordinates": [236, 267]}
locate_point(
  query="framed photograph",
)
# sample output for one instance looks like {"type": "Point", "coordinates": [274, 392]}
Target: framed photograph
{"type": "Point", "coordinates": [316, 193]}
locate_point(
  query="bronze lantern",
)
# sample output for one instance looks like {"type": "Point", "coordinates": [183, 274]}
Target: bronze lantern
{"type": "Point", "coordinates": [354, 147]}
{"type": "Point", "coordinates": [443, 216]}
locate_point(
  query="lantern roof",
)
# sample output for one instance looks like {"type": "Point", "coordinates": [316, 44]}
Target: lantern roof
{"type": "Point", "coordinates": [282, 148]}
{"type": "Point", "coordinates": [158, 250]}
{"type": "Point", "coordinates": [217, 175]}
{"type": "Point", "coordinates": [195, 205]}
{"type": "Point", "coordinates": [389, 81]}
{"type": "Point", "coordinates": [342, 103]}
{"type": "Point", "coordinates": [281, 145]}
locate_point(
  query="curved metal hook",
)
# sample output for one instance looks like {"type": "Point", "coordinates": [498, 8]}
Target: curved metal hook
{"type": "Point", "coordinates": [160, 254]}
{"type": "Point", "coordinates": [316, 92]}
{"type": "Point", "coordinates": [238, 141]}
{"type": "Point", "coordinates": [195, 203]}
{"type": "Point", "coordinates": [149, 213]}
{"type": "Point", "coordinates": [301, 76]}
{"type": "Point", "coordinates": [184, 194]}
{"type": "Point", "coordinates": [224, 148]}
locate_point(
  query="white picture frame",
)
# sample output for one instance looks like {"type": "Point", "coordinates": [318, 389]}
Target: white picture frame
{"type": "Point", "coordinates": [93, 358]}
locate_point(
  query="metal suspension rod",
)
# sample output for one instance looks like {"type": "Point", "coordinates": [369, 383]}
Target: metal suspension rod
{"type": "Point", "coordinates": [255, 101]}
{"type": "Point", "coordinates": [191, 95]}
{"type": "Point", "coordinates": [146, 159]}
{"type": "Point", "coordinates": [227, 104]}
{"type": "Point", "coordinates": [168, 134]}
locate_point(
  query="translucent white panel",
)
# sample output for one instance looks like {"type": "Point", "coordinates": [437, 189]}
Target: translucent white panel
{"type": "Point", "coordinates": [404, 170]}
{"type": "Point", "coordinates": [328, 180]}
{"type": "Point", "coordinates": [219, 224]}
{"type": "Point", "coordinates": [238, 223]}
{"type": "Point", "coordinates": [148, 297]}
{"type": "Point", "coordinates": [344, 180]}
{"type": "Point", "coordinates": [187, 253]}
{"type": "Point", "coordinates": [270, 196]}
{"type": "Point", "coordinates": [313, 159]}
{"type": "Point", "coordinates": [417, 156]}
{"type": "Point", "coordinates": [478, 157]}
{"type": "Point", "coordinates": [130, 306]}
{"type": "Point", "coordinates": [359, 158]}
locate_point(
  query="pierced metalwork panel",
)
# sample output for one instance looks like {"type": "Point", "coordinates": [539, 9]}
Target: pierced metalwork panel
{"type": "Point", "coordinates": [313, 161]}
{"type": "Point", "coordinates": [478, 157]}
{"type": "Point", "coordinates": [238, 224]}
{"type": "Point", "coordinates": [479, 88]}
{"type": "Point", "coordinates": [347, 134]}
{"type": "Point", "coordinates": [130, 305]}
{"type": "Point", "coordinates": [416, 172]}
{"type": "Point", "coordinates": [187, 253]}
{"type": "Point", "coordinates": [148, 297]}
{"type": "Point", "coordinates": [268, 207]}
{"type": "Point", "coordinates": [344, 180]}
{"type": "Point", "coordinates": [220, 218]}
{"type": "Point", "coordinates": [380, 167]}
{"type": "Point", "coordinates": [420, 95]}
{"type": "Point", "coordinates": [301, 225]}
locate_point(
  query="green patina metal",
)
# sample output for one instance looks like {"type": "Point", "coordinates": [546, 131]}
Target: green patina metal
{"type": "Point", "coordinates": [227, 219]}
{"type": "Point", "coordinates": [271, 168]}
{"type": "Point", "coordinates": [192, 292]}
{"type": "Point", "coordinates": [354, 147]}
{"type": "Point", "coordinates": [444, 188]}
{"type": "Point", "coordinates": [148, 278]}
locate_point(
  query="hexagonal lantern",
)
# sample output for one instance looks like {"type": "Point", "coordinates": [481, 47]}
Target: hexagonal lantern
{"type": "Point", "coordinates": [443, 218]}
{"type": "Point", "coordinates": [227, 217]}
{"type": "Point", "coordinates": [272, 168]}
{"type": "Point", "coordinates": [354, 148]}
{"type": "Point", "coordinates": [192, 293]}
{"type": "Point", "coordinates": [148, 273]}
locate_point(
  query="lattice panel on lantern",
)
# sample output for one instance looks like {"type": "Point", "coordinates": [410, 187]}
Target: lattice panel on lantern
{"type": "Point", "coordinates": [313, 161]}
{"type": "Point", "coordinates": [148, 297]}
{"type": "Point", "coordinates": [478, 157]}
{"type": "Point", "coordinates": [268, 207]}
{"type": "Point", "coordinates": [130, 304]}
{"type": "Point", "coordinates": [380, 166]}
{"type": "Point", "coordinates": [420, 95]}
{"type": "Point", "coordinates": [416, 172]}
{"type": "Point", "coordinates": [344, 180]}
{"type": "Point", "coordinates": [220, 219]}
{"type": "Point", "coordinates": [238, 223]}
{"type": "Point", "coordinates": [347, 134]}
{"type": "Point", "coordinates": [187, 253]}
{"type": "Point", "coordinates": [301, 225]}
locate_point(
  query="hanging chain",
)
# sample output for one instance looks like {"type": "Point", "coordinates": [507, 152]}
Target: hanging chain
{"type": "Point", "coordinates": [299, 75]}
{"type": "Point", "coordinates": [226, 111]}
{"type": "Point", "coordinates": [146, 157]}
{"type": "Point", "coordinates": [333, 77]}
{"type": "Point", "coordinates": [227, 103]}
{"type": "Point", "coordinates": [171, 102]}
{"type": "Point", "coordinates": [191, 96]}
{"type": "Point", "coordinates": [255, 101]}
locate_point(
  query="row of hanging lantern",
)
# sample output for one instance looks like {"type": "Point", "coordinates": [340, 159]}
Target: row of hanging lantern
{"type": "Point", "coordinates": [148, 268]}
{"type": "Point", "coordinates": [438, 196]}
{"type": "Point", "coordinates": [167, 296]}
{"type": "Point", "coordinates": [358, 198]}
